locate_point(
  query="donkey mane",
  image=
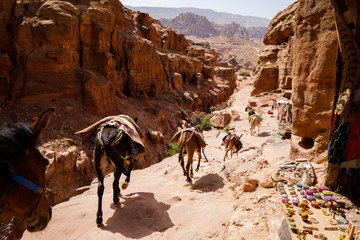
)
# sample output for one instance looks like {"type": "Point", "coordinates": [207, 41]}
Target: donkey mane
{"type": "Point", "coordinates": [13, 139]}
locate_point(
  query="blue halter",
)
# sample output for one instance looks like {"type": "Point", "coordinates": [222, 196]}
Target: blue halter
{"type": "Point", "coordinates": [28, 184]}
{"type": "Point", "coordinates": [23, 181]}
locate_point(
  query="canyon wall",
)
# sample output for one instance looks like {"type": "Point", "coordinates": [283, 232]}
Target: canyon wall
{"type": "Point", "coordinates": [301, 57]}
{"type": "Point", "coordinates": [91, 59]}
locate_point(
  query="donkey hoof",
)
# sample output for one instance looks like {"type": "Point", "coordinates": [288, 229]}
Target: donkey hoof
{"type": "Point", "coordinates": [99, 221]}
{"type": "Point", "coordinates": [196, 170]}
{"type": "Point", "coordinates": [188, 179]}
{"type": "Point", "coordinates": [124, 185]}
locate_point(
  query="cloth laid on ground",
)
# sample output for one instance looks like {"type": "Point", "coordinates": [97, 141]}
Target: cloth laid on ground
{"type": "Point", "coordinates": [198, 136]}
{"type": "Point", "coordinates": [257, 115]}
{"type": "Point", "coordinates": [121, 122]}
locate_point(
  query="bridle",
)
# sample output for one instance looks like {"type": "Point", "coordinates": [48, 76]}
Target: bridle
{"type": "Point", "coordinates": [24, 182]}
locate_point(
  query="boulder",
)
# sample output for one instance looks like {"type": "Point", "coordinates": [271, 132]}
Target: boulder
{"type": "Point", "coordinates": [250, 184]}
{"type": "Point", "coordinates": [235, 116]}
{"type": "Point", "coordinates": [220, 119]}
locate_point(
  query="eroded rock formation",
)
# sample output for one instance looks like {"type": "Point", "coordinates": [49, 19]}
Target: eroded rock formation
{"type": "Point", "coordinates": [98, 58]}
{"type": "Point", "coordinates": [302, 47]}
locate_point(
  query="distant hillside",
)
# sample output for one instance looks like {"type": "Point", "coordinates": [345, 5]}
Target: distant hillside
{"type": "Point", "coordinates": [192, 24]}
{"type": "Point", "coordinates": [217, 17]}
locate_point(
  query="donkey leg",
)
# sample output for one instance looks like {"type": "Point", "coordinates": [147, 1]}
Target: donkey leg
{"type": "Point", "coordinates": [182, 165]}
{"type": "Point", "coordinates": [188, 165]}
{"type": "Point", "coordinates": [117, 174]}
{"type": "Point", "coordinates": [225, 156]}
{"type": "Point", "coordinates": [100, 190]}
{"type": "Point", "coordinates": [198, 166]}
{"type": "Point", "coordinates": [100, 193]}
{"type": "Point", "coordinates": [127, 180]}
{"type": "Point", "coordinates": [190, 156]}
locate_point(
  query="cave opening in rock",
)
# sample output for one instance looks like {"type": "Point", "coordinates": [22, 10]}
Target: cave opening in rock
{"type": "Point", "coordinates": [307, 143]}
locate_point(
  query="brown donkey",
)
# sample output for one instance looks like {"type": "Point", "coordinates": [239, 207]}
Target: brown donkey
{"type": "Point", "coordinates": [22, 174]}
{"type": "Point", "coordinates": [189, 141]}
{"type": "Point", "coordinates": [232, 143]}
{"type": "Point", "coordinates": [118, 140]}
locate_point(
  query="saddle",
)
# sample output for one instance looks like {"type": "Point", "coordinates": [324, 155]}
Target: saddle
{"type": "Point", "coordinates": [122, 122]}
{"type": "Point", "coordinates": [194, 133]}
{"type": "Point", "coordinates": [257, 115]}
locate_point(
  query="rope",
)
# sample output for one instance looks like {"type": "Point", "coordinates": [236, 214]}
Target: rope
{"type": "Point", "coordinates": [204, 154]}
{"type": "Point", "coordinates": [188, 140]}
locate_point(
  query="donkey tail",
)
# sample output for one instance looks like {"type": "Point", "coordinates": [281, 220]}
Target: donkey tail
{"type": "Point", "coordinates": [181, 152]}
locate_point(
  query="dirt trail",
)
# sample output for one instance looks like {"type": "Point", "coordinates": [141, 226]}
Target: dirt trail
{"type": "Point", "coordinates": [160, 204]}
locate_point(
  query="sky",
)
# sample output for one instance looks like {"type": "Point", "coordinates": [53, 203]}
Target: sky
{"type": "Point", "coordinates": [257, 8]}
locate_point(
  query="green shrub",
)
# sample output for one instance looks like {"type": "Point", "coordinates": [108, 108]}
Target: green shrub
{"type": "Point", "coordinates": [205, 122]}
{"type": "Point", "coordinates": [196, 118]}
{"type": "Point", "coordinates": [289, 17]}
{"type": "Point", "coordinates": [174, 149]}
{"type": "Point", "coordinates": [200, 118]}
{"type": "Point", "coordinates": [184, 113]}
{"type": "Point", "coordinates": [226, 128]}
{"type": "Point", "coordinates": [262, 64]}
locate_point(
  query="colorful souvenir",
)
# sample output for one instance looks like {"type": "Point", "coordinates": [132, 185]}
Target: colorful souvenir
{"type": "Point", "coordinates": [304, 216]}
{"type": "Point", "coordinates": [309, 192]}
{"type": "Point", "coordinates": [311, 198]}
{"type": "Point", "coordinates": [328, 204]}
{"type": "Point", "coordinates": [326, 193]}
{"type": "Point", "coordinates": [317, 195]}
{"type": "Point", "coordinates": [321, 202]}
{"type": "Point", "coordinates": [314, 204]}
{"type": "Point", "coordinates": [328, 198]}
{"type": "Point", "coordinates": [321, 188]}
{"type": "Point", "coordinates": [302, 205]}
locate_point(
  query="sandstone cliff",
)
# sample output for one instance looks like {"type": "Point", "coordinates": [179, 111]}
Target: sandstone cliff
{"type": "Point", "coordinates": [301, 57]}
{"type": "Point", "coordinates": [91, 59]}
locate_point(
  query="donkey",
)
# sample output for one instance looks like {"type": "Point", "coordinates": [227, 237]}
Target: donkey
{"type": "Point", "coordinates": [22, 174]}
{"type": "Point", "coordinates": [232, 143]}
{"type": "Point", "coordinates": [189, 141]}
{"type": "Point", "coordinates": [255, 121]}
{"type": "Point", "coordinates": [118, 141]}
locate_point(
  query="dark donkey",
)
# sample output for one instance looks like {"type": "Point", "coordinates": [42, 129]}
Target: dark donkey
{"type": "Point", "coordinates": [22, 174]}
{"type": "Point", "coordinates": [232, 143]}
{"type": "Point", "coordinates": [117, 141]}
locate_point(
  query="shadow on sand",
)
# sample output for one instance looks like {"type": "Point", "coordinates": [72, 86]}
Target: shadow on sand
{"type": "Point", "coordinates": [139, 215]}
{"type": "Point", "coordinates": [264, 134]}
{"type": "Point", "coordinates": [209, 183]}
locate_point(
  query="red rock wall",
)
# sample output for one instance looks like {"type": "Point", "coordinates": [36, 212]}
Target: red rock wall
{"type": "Point", "coordinates": [90, 52]}
{"type": "Point", "coordinates": [106, 59]}
{"type": "Point", "coordinates": [314, 73]}
{"type": "Point", "coordinates": [97, 58]}
{"type": "Point", "coordinates": [303, 47]}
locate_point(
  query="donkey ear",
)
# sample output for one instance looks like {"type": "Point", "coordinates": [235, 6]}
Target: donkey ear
{"type": "Point", "coordinates": [241, 136]}
{"type": "Point", "coordinates": [41, 123]}
{"type": "Point", "coordinates": [136, 119]}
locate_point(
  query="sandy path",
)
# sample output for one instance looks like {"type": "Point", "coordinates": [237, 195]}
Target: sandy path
{"type": "Point", "coordinates": [160, 204]}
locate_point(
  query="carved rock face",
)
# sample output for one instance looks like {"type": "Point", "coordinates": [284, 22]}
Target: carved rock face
{"type": "Point", "coordinates": [302, 58]}
{"type": "Point", "coordinates": [314, 73]}
{"type": "Point", "coordinates": [94, 52]}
